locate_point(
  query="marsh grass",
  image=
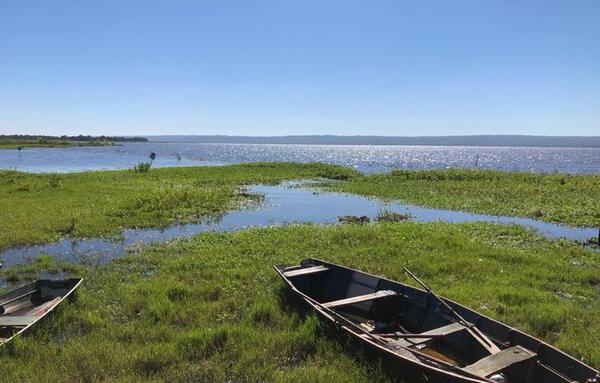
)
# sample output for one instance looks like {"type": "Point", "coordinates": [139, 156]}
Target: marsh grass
{"type": "Point", "coordinates": [54, 180]}
{"type": "Point", "coordinates": [38, 208]}
{"type": "Point", "coordinates": [142, 167]}
{"type": "Point", "coordinates": [212, 309]}
{"type": "Point", "coordinates": [42, 263]}
{"type": "Point", "coordinates": [557, 198]}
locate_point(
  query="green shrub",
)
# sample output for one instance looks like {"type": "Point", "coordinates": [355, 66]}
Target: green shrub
{"type": "Point", "coordinates": [54, 180]}
{"type": "Point", "coordinates": [142, 167]}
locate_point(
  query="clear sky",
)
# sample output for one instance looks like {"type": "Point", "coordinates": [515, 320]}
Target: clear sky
{"type": "Point", "coordinates": [419, 67]}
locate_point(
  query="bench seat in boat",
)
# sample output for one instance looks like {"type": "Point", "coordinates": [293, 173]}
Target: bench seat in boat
{"type": "Point", "coordinates": [305, 271]}
{"type": "Point", "coordinates": [17, 320]}
{"type": "Point", "coordinates": [436, 332]}
{"type": "Point", "coordinates": [499, 361]}
{"type": "Point", "coordinates": [360, 298]}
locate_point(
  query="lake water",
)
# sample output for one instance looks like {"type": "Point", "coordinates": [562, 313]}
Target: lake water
{"type": "Point", "coordinates": [367, 159]}
{"type": "Point", "coordinates": [283, 204]}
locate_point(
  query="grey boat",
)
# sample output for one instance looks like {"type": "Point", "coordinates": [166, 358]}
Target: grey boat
{"type": "Point", "coordinates": [428, 337]}
{"type": "Point", "coordinates": [23, 307]}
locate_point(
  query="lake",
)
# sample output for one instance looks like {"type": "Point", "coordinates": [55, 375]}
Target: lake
{"type": "Point", "coordinates": [367, 159]}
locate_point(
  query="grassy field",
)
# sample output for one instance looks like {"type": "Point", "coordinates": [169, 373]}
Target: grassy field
{"type": "Point", "coordinates": [44, 207]}
{"type": "Point", "coordinates": [560, 198]}
{"type": "Point", "coordinates": [15, 144]}
{"type": "Point", "coordinates": [211, 309]}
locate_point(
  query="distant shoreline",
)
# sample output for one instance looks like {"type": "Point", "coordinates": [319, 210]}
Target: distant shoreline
{"type": "Point", "coordinates": [20, 141]}
{"type": "Point", "coordinates": [22, 144]}
{"type": "Point", "coordinates": [483, 140]}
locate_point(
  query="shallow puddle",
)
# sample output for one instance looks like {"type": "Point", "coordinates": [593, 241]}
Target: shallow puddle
{"type": "Point", "coordinates": [283, 204]}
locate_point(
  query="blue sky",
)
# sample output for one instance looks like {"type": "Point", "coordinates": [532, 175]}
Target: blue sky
{"type": "Point", "coordinates": [300, 67]}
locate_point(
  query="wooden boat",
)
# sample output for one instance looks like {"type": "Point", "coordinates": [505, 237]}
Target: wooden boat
{"type": "Point", "coordinates": [428, 336]}
{"type": "Point", "coordinates": [23, 307]}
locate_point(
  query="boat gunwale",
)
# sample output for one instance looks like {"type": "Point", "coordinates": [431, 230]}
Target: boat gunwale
{"type": "Point", "coordinates": [71, 290]}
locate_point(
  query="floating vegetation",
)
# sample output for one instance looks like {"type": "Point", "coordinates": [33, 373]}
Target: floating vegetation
{"type": "Point", "coordinates": [392, 216]}
{"type": "Point", "coordinates": [593, 241]}
{"type": "Point", "coordinates": [353, 219]}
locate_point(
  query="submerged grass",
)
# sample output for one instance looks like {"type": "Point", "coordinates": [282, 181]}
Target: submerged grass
{"type": "Point", "coordinates": [558, 198]}
{"type": "Point", "coordinates": [44, 207]}
{"type": "Point", "coordinates": [211, 309]}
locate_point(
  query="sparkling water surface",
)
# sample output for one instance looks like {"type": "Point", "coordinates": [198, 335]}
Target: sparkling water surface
{"type": "Point", "coordinates": [367, 159]}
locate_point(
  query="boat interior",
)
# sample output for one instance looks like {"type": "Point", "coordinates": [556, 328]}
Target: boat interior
{"type": "Point", "coordinates": [416, 325]}
{"type": "Point", "coordinates": [24, 306]}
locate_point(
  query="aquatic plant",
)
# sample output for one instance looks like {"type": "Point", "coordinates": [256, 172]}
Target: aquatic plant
{"type": "Point", "coordinates": [391, 216]}
{"type": "Point", "coordinates": [142, 167]}
{"type": "Point", "coordinates": [353, 219]}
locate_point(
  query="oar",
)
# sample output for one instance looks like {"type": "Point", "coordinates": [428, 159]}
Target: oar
{"type": "Point", "coordinates": [404, 336]}
{"type": "Point", "coordinates": [481, 337]}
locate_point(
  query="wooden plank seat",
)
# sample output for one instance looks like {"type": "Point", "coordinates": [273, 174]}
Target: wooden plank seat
{"type": "Point", "coordinates": [16, 298]}
{"type": "Point", "coordinates": [305, 271]}
{"type": "Point", "coordinates": [17, 320]}
{"type": "Point", "coordinates": [436, 332]}
{"type": "Point", "coordinates": [360, 298]}
{"type": "Point", "coordinates": [499, 361]}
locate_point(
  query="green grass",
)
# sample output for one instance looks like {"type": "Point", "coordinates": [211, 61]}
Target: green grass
{"type": "Point", "coordinates": [41, 143]}
{"type": "Point", "coordinates": [211, 309]}
{"type": "Point", "coordinates": [559, 198]}
{"type": "Point", "coordinates": [38, 208]}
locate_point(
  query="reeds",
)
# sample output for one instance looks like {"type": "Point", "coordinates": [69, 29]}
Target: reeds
{"type": "Point", "coordinates": [142, 167]}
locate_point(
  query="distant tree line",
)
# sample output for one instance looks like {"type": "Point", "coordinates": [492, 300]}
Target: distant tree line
{"type": "Point", "coordinates": [72, 138]}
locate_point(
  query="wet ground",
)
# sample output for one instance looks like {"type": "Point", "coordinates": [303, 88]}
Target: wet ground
{"type": "Point", "coordinates": [283, 204]}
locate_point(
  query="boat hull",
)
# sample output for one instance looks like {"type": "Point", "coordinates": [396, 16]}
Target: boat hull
{"type": "Point", "coordinates": [344, 297]}
{"type": "Point", "coordinates": [22, 308]}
